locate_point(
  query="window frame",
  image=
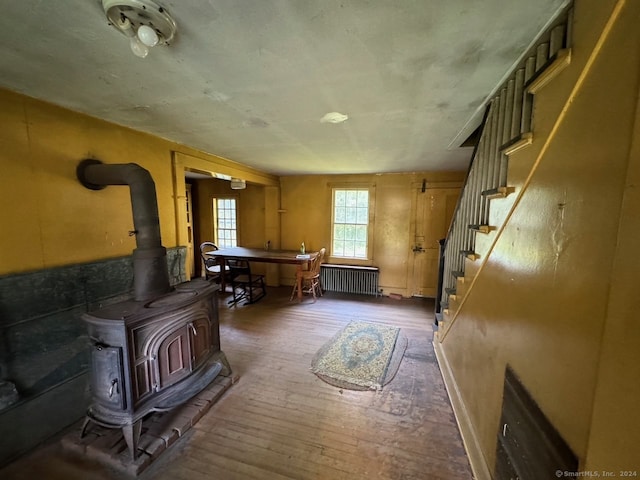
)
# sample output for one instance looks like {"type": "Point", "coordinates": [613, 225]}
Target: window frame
{"type": "Point", "coordinates": [370, 188]}
{"type": "Point", "coordinates": [214, 216]}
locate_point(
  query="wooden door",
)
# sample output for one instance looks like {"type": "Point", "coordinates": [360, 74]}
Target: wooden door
{"type": "Point", "coordinates": [434, 210]}
{"type": "Point", "coordinates": [190, 262]}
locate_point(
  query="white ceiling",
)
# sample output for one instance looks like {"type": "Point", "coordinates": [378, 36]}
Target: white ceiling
{"type": "Point", "coordinates": [250, 80]}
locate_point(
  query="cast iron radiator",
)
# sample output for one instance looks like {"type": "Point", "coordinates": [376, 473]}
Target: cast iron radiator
{"type": "Point", "coordinates": [350, 279]}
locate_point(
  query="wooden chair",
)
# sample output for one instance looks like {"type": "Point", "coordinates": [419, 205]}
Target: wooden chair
{"type": "Point", "coordinates": [244, 284]}
{"type": "Point", "coordinates": [310, 281]}
{"type": "Point", "coordinates": [211, 267]}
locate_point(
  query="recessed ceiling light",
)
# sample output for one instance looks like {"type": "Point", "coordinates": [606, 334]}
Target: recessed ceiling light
{"type": "Point", "coordinates": [334, 117]}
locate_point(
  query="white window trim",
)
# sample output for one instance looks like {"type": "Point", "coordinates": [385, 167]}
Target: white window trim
{"type": "Point", "coordinates": [371, 187]}
{"type": "Point", "coordinates": [215, 216]}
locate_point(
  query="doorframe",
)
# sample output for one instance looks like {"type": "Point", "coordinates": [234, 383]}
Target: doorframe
{"type": "Point", "coordinates": [212, 164]}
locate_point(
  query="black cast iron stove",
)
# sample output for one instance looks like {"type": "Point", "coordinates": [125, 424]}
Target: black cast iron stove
{"type": "Point", "coordinates": [159, 349]}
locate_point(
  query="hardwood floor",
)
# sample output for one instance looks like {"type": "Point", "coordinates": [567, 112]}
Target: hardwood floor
{"type": "Point", "coordinates": [281, 422]}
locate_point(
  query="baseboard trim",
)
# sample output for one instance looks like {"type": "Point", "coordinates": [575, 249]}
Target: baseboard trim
{"type": "Point", "coordinates": [478, 463]}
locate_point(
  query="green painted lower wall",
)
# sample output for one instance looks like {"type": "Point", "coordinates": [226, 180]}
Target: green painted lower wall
{"type": "Point", "coordinates": [28, 423]}
{"type": "Point", "coordinates": [45, 346]}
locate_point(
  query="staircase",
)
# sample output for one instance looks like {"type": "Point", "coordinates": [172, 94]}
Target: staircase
{"type": "Point", "coordinates": [486, 197]}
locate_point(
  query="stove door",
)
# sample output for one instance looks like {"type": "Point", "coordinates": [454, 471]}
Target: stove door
{"type": "Point", "coordinates": [174, 358]}
{"type": "Point", "coordinates": [200, 340]}
{"type": "Point", "coordinates": [107, 382]}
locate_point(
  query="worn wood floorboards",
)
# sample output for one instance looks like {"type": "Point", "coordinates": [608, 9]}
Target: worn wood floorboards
{"type": "Point", "coordinates": [281, 422]}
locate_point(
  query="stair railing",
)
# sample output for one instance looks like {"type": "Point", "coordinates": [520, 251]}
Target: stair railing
{"type": "Point", "coordinates": [505, 128]}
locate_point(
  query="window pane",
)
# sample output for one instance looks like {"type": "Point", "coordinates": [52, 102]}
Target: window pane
{"type": "Point", "coordinates": [360, 233]}
{"type": "Point", "coordinates": [352, 196]}
{"type": "Point", "coordinates": [349, 232]}
{"type": "Point", "coordinates": [349, 249]}
{"type": "Point", "coordinates": [362, 216]}
{"type": "Point", "coordinates": [351, 215]}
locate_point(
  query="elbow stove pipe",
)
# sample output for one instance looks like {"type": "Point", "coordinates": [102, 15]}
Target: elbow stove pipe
{"type": "Point", "coordinates": [150, 272]}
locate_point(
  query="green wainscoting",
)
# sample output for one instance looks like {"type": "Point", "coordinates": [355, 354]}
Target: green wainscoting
{"type": "Point", "coordinates": [44, 345]}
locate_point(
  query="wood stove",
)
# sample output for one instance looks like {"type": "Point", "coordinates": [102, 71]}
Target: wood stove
{"type": "Point", "coordinates": [159, 349]}
{"type": "Point", "coordinates": [152, 356]}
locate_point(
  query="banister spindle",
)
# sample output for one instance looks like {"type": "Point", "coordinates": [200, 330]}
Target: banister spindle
{"type": "Point", "coordinates": [556, 40]}
{"type": "Point", "coordinates": [527, 98]}
{"type": "Point", "coordinates": [518, 101]}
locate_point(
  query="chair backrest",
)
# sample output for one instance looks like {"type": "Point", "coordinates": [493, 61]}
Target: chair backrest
{"type": "Point", "coordinates": [209, 263]}
{"type": "Point", "coordinates": [207, 247]}
{"type": "Point", "coordinates": [315, 264]}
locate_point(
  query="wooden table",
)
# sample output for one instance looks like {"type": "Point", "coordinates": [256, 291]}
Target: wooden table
{"type": "Point", "coordinates": [265, 256]}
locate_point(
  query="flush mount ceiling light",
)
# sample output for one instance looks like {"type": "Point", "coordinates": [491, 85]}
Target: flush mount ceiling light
{"type": "Point", "coordinates": [144, 22]}
{"type": "Point", "coordinates": [238, 184]}
{"type": "Point", "coordinates": [334, 117]}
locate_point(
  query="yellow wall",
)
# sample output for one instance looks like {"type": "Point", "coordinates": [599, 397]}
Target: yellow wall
{"type": "Point", "coordinates": [547, 293]}
{"type": "Point", "coordinates": [306, 203]}
{"type": "Point", "coordinates": [49, 219]}
{"type": "Point", "coordinates": [615, 437]}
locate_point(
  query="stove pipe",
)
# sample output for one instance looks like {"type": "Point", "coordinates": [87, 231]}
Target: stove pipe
{"type": "Point", "coordinates": [150, 272]}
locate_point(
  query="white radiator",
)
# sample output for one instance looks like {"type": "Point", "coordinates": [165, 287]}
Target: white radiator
{"type": "Point", "coordinates": [349, 279]}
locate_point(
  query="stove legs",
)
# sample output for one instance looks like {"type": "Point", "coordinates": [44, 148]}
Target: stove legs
{"type": "Point", "coordinates": [131, 433]}
{"type": "Point", "coordinates": [131, 436]}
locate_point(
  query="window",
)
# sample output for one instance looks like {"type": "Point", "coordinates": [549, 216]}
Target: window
{"type": "Point", "coordinates": [350, 236]}
{"type": "Point", "coordinates": [225, 225]}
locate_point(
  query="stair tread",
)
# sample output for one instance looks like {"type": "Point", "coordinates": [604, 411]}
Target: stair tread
{"type": "Point", "coordinates": [517, 143]}
{"type": "Point", "coordinates": [470, 254]}
{"type": "Point", "coordinates": [499, 192]}
{"type": "Point", "coordinates": [484, 228]}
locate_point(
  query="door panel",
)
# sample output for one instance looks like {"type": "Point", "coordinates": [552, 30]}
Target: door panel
{"type": "Point", "coordinates": [200, 330]}
{"type": "Point", "coordinates": [174, 362]}
{"type": "Point", "coordinates": [434, 210]}
{"type": "Point", "coordinates": [107, 378]}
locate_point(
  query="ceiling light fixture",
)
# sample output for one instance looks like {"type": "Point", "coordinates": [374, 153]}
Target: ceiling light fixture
{"type": "Point", "coordinates": [334, 117]}
{"type": "Point", "coordinates": [144, 22]}
{"type": "Point", "coordinates": [238, 184]}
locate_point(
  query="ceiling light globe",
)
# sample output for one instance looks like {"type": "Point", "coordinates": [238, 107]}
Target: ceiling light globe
{"type": "Point", "coordinates": [148, 36]}
{"type": "Point", "coordinates": [138, 48]}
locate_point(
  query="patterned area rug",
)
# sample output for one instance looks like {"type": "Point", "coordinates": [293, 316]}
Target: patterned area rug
{"type": "Point", "coordinates": [362, 356]}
